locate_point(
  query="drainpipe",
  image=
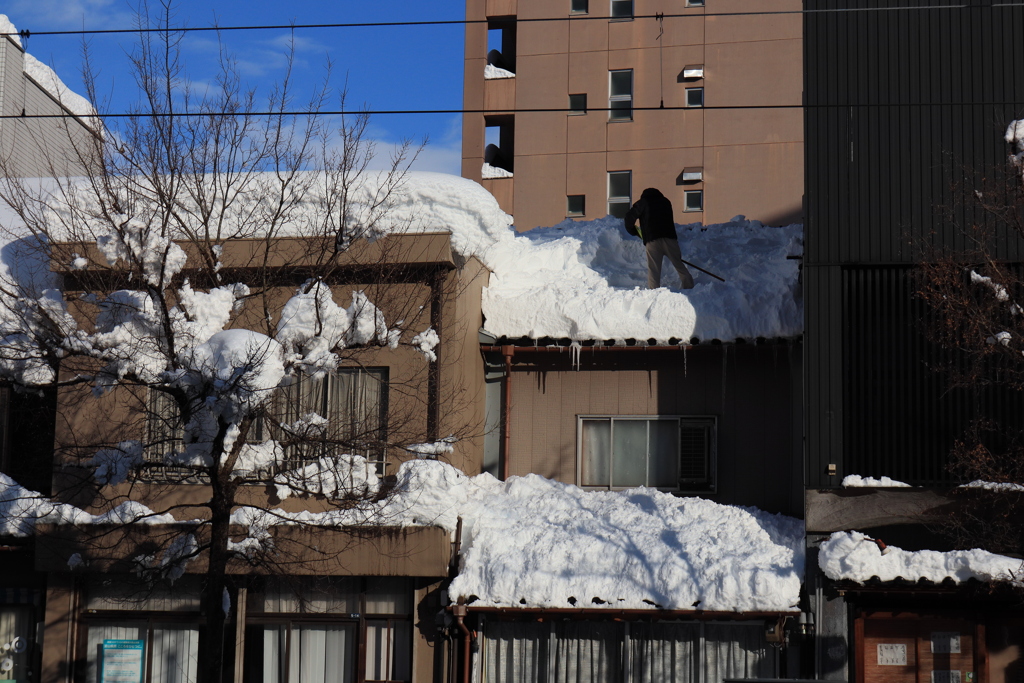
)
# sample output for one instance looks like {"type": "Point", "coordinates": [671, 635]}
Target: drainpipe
{"type": "Point", "coordinates": [460, 612]}
{"type": "Point", "coordinates": [506, 429]}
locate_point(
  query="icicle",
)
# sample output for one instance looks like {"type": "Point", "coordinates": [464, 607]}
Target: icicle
{"type": "Point", "coordinates": [575, 349]}
{"type": "Point", "coordinates": [685, 347]}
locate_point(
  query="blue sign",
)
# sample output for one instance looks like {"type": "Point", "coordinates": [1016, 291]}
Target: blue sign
{"type": "Point", "coordinates": [123, 661]}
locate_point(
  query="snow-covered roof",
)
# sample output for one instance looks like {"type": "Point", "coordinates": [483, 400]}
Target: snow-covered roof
{"type": "Point", "coordinates": [586, 280]}
{"type": "Point", "coordinates": [48, 79]}
{"type": "Point", "coordinates": [530, 542]}
{"type": "Point", "coordinates": [855, 557]}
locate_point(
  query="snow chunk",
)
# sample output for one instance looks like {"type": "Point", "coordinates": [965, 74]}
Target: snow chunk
{"type": "Point", "coordinates": [492, 72]}
{"type": "Point", "coordinates": [488, 171]}
{"type": "Point", "coordinates": [1002, 338]}
{"type": "Point", "coordinates": [426, 341]}
{"type": "Point", "coordinates": [997, 289]}
{"type": "Point", "coordinates": [244, 366]}
{"type": "Point", "coordinates": [113, 465]}
{"type": "Point", "coordinates": [1015, 136]}
{"type": "Point", "coordinates": [75, 561]}
{"type": "Point", "coordinates": [312, 326]}
{"type": "Point", "coordinates": [855, 557]}
{"type": "Point", "coordinates": [855, 480]}
{"type": "Point", "coordinates": [257, 457]}
{"type": "Point", "coordinates": [341, 476]}
{"type": "Point", "coordinates": [445, 446]}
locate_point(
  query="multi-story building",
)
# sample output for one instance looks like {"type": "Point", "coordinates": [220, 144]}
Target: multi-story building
{"type": "Point", "coordinates": [587, 102]}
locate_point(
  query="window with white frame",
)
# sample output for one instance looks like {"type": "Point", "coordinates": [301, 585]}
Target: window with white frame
{"type": "Point", "coordinates": [633, 652]}
{"type": "Point", "coordinates": [675, 453]}
{"type": "Point", "coordinates": [622, 9]}
{"type": "Point", "coordinates": [695, 97]}
{"type": "Point", "coordinates": [694, 3]}
{"type": "Point", "coordinates": [311, 630]}
{"type": "Point", "coordinates": [620, 95]}
{"type": "Point", "coordinates": [620, 189]}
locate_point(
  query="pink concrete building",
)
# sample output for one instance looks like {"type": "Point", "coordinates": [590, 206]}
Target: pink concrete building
{"type": "Point", "coordinates": [605, 67]}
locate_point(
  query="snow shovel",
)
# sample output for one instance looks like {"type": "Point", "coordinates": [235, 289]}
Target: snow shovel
{"type": "Point", "coordinates": [706, 272]}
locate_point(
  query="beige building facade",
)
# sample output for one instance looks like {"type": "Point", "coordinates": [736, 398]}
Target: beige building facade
{"type": "Point", "coordinates": [572, 94]}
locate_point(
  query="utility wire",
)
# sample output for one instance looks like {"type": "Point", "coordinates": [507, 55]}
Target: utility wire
{"type": "Point", "coordinates": [24, 33]}
{"type": "Point", "coordinates": [498, 112]}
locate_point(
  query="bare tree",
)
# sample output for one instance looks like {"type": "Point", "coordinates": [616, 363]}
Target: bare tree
{"type": "Point", "coordinates": [973, 298]}
{"type": "Point", "coordinates": [198, 262]}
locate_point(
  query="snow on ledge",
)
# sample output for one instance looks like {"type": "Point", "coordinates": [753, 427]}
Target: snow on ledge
{"type": "Point", "coordinates": [853, 556]}
{"type": "Point", "coordinates": [489, 172]}
{"type": "Point", "coordinates": [856, 481]}
{"type": "Point", "coordinates": [994, 486]}
{"type": "Point", "coordinates": [492, 72]}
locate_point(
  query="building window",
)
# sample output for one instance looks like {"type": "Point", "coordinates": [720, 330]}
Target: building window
{"type": "Point", "coordinates": [695, 97]}
{"type": "Point", "coordinates": [693, 200]}
{"type": "Point", "coordinates": [620, 95]}
{"type": "Point", "coordinates": [298, 630]}
{"type": "Point", "coordinates": [619, 192]}
{"type": "Point", "coordinates": [151, 627]}
{"type": "Point", "coordinates": [622, 9]}
{"type": "Point", "coordinates": [635, 652]}
{"type": "Point", "coordinates": [576, 205]}
{"type": "Point", "coordinates": [501, 43]}
{"type": "Point", "coordinates": [666, 452]}
{"type": "Point", "coordinates": [579, 6]}
{"type": "Point", "coordinates": [353, 400]}
{"type": "Point", "coordinates": [578, 104]}
{"type": "Point", "coordinates": [694, 3]}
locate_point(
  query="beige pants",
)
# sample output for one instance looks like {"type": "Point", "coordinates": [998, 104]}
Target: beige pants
{"type": "Point", "coordinates": [656, 251]}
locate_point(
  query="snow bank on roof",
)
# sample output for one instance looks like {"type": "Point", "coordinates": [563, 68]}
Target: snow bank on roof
{"type": "Point", "coordinates": [45, 76]}
{"type": "Point", "coordinates": [587, 280]}
{"type": "Point", "coordinates": [533, 542]}
{"type": "Point", "coordinates": [1000, 487]}
{"type": "Point", "coordinates": [855, 557]}
{"type": "Point", "coordinates": [582, 280]}
{"type": "Point", "coordinates": [538, 543]}
{"type": "Point", "coordinates": [855, 481]}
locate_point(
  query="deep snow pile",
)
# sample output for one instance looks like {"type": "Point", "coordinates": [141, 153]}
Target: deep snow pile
{"type": "Point", "coordinates": [855, 557]}
{"type": "Point", "coordinates": [47, 78]}
{"type": "Point", "coordinates": [579, 280]}
{"type": "Point", "coordinates": [533, 542]}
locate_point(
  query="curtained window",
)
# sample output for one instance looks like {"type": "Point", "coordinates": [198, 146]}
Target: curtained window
{"type": "Point", "coordinates": [640, 652]}
{"type": "Point", "coordinates": [310, 630]}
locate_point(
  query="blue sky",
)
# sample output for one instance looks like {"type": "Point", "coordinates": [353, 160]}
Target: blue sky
{"type": "Point", "coordinates": [387, 68]}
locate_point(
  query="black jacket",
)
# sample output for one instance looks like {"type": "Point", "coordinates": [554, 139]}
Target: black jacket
{"type": "Point", "coordinates": [655, 213]}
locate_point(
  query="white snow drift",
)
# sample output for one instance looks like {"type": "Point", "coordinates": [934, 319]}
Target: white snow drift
{"type": "Point", "coordinates": [855, 557]}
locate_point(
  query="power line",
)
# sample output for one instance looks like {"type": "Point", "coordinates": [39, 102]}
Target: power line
{"type": "Point", "coordinates": [24, 33]}
{"type": "Point", "coordinates": [502, 112]}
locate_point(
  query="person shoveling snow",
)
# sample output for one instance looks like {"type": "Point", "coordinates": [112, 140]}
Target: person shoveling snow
{"type": "Point", "coordinates": [658, 231]}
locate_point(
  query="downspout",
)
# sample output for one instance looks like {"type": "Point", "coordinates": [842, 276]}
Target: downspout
{"type": "Point", "coordinates": [460, 612]}
{"type": "Point", "coordinates": [506, 421]}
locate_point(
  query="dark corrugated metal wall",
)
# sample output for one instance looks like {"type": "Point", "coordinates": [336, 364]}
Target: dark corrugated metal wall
{"type": "Point", "coordinates": [906, 109]}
